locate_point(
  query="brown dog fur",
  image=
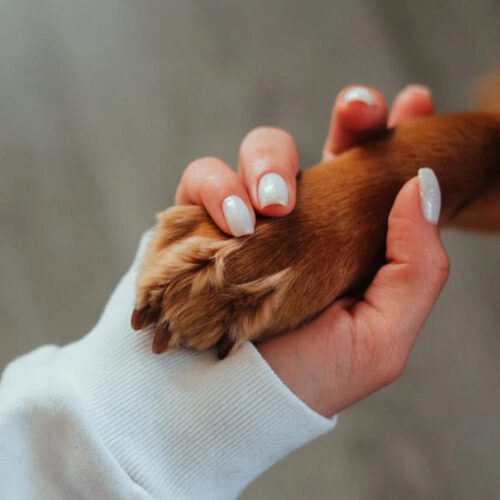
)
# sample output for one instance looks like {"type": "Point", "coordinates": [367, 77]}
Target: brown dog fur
{"type": "Point", "coordinates": [198, 288]}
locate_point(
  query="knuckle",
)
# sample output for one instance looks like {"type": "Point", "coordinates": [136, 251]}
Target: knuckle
{"type": "Point", "coordinates": [442, 266]}
{"type": "Point", "coordinates": [421, 260]}
{"type": "Point", "coordinates": [435, 270]}
{"type": "Point", "coordinates": [409, 272]}
{"type": "Point", "coordinates": [389, 358]}
{"type": "Point", "coordinates": [203, 175]}
{"type": "Point", "coordinates": [204, 171]}
{"type": "Point", "coordinates": [251, 138]}
{"type": "Point", "coordinates": [191, 169]}
{"type": "Point", "coordinates": [282, 134]}
{"type": "Point", "coordinates": [268, 131]}
{"type": "Point", "coordinates": [392, 372]}
{"type": "Point", "coordinates": [200, 163]}
{"type": "Point", "coordinates": [267, 142]}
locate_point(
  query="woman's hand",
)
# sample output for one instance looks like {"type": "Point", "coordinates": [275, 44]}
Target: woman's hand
{"type": "Point", "coordinates": [353, 348]}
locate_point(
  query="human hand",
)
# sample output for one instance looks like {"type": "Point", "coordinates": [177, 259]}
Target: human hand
{"type": "Point", "coordinates": [353, 348]}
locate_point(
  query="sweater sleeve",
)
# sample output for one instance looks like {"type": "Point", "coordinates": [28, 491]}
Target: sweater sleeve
{"type": "Point", "coordinates": [105, 418]}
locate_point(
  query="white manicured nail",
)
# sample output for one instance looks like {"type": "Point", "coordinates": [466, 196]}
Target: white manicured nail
{"type": "Point", "coordinates": [430, 195]}
{"type": "Point", "coordinates": [417, 87]}
{"type": "Point", "coordinates": [359, 94]}
{"type": "Point", "coordinates": [272, 190]}
{"type": "Point", "coordinates": [237, 216]}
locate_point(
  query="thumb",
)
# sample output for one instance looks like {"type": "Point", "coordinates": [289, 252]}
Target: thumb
{"type": "Point", "coordinates": [404, 291]}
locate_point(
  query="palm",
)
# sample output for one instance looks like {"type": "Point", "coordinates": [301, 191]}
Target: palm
{"type": "Point", "coordinates": [354, 348]}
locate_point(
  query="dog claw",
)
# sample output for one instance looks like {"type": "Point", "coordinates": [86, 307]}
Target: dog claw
{"type": "Point", "coordinates": [224, 346]}
{"type": "Point", "coordinates": [161, 339]}
{"type": "Point", "coordinates": [138, 318]}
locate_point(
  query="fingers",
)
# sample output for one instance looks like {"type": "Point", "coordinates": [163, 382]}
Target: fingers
{"type": "Point", "coordinates": [412, 101]}
{"type": "Point", "coordinates": [268, 166]}
{"type": "Point", "coordinates": [358, 112]}
{"type": "Point", "coordinates": [212, 183]}
{"type": "Point", "coordinates": [268, 163]}
{"type": "Point", "coordinates": [269, 160]}
{"type": "Point", "coordinates": [403, 292]}
{"type": "Point", "coordinates": [361, 111]}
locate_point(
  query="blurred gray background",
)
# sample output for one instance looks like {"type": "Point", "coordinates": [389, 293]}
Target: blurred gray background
{"type": "Point", "coordinates": [104, 102]}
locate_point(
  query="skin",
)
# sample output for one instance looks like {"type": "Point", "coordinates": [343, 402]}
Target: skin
{"type": "Point", "coordinates": [354, 347]}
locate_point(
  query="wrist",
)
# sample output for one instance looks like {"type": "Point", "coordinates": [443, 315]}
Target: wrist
{"type": "Point", "coordinates": [298, 373]}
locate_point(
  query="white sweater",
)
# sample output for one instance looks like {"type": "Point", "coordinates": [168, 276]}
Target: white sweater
{"type": "Point", "coordinates": [103, 418]}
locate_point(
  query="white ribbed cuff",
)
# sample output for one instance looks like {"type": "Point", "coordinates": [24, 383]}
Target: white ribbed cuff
{"type": "Point", "coordinates": [184, 424]}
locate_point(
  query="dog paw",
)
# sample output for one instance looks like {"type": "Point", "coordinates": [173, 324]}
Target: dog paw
{"type": "Point", "coordinates": [186, 294]}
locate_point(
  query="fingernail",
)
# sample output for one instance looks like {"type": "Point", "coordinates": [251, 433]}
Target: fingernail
{"type": "Point", "coordinates": [237, 216]}
{"type": "Point", "coordinates": [417, 87]}
{"type": "Point", "coordinates": [359, 94]}
{"type": "Point", "coordinates": [272, 190]}
{"type": "Point", "coordinates": [430, 195]}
